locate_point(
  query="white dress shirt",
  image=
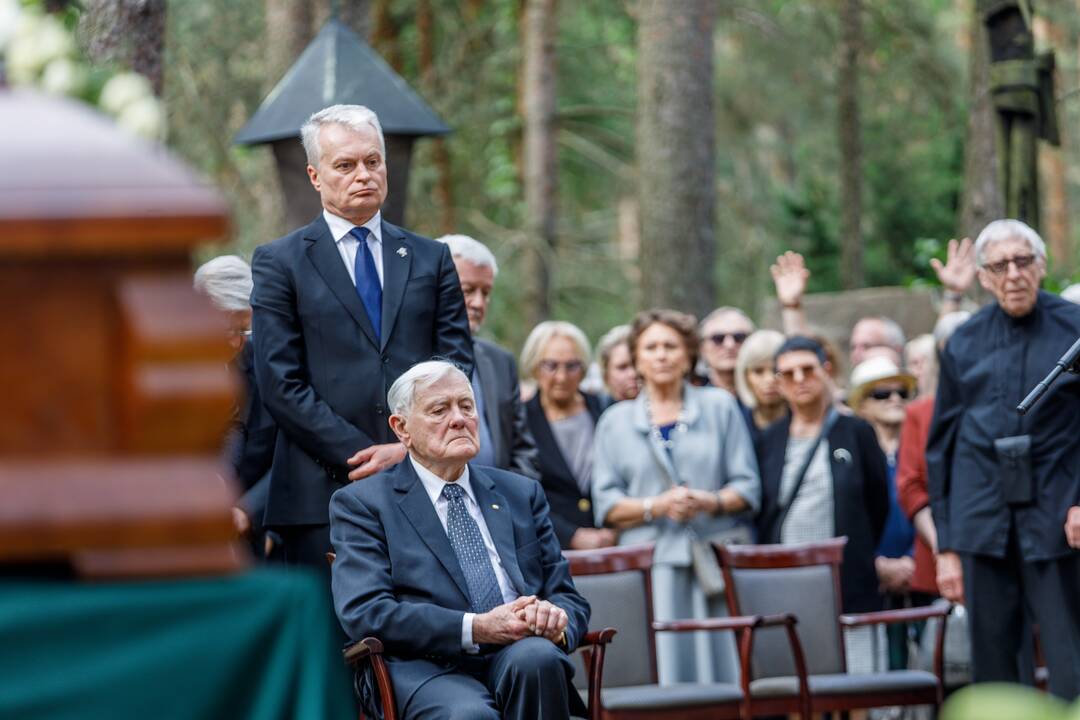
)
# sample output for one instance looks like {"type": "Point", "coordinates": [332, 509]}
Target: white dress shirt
{"type": "Point", "coordinates": [433, 485]}
{"type": "Point", "coordinates": [347, 244]}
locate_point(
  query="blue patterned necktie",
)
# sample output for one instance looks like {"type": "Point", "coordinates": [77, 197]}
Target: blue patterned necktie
{"type": "Point", "coordinates": [367, 280]}
{"type": "Point", "coordinates": [472, 556]}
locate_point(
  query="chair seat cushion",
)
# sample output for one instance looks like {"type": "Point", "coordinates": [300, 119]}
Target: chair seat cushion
{"type": "Point", "coordinates": [846, 684]}
{"type": "Point", "coordinates": [644, 697]}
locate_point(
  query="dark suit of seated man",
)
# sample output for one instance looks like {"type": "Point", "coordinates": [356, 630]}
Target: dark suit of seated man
{"type": "Point", "coordinates": [456, 568]}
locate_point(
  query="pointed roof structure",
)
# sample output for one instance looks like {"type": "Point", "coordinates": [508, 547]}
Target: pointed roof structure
{"type": "Point", "coordinates": [339, 67]}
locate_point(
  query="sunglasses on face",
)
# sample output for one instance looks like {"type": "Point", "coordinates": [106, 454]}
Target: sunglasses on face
{"type": "Point", "coordinates": [719, 338]}
{"type": "Point", "coordinates": [789, 374]}
{"type": "Point", "coordinates": [550, 367]}
{"type": "Point", "coordinates": [886, 393]}
{"type": "Point", "coordinates": [1001, 267]}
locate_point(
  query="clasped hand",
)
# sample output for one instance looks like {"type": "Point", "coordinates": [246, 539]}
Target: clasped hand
{"type": "Point", "coordinates": [682, 503]}
{"type": "Point", "coordinates": [521, 618]}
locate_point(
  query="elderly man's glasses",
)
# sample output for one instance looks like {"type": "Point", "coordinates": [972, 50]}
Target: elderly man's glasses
{"type": "Point", "coordinates": [886, 393]}
{"type": "Point", "coordinates": [1002, 266]}
{"type": "Point", "coordinates": [572, 367]}
{"type": "Point", "coordinates": [719, 338]}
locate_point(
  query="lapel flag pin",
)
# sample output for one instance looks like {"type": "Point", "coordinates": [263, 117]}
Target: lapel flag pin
{"type": "Point", "coordinates": [402, 252]}
{"type": "Point", "coordinates": [494, 507]}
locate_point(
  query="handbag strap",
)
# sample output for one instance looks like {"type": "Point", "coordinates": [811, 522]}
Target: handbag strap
{"type": "Point", "coordinates": [830, 420]}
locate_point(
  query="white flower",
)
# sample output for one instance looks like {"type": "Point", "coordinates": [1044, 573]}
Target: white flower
{"type": "Point", "coordinates": [9, 19]}
{"type": "Point", "coordinates": [144, 117]}
{"type": "Point", "coordinates": [37, 41]}
{"type": "Point", "coordinates": [123, 90]}
{"type": "Point", "coordinates": [63, 77]}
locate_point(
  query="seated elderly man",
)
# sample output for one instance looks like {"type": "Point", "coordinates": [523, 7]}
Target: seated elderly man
{"type": "Point", "coordinates": [456, 568]}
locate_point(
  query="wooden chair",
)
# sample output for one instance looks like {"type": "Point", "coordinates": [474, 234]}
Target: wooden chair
{"type": "Point", "coordinates": [617, 583]}
{"type": "Point", "coordinates": [369, 653]}
{"type": "Point", "coordinates": [805, 580]}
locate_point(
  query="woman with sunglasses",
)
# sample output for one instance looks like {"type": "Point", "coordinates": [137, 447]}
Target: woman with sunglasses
{"type": "Point", "coordinates": [562, 418]}
{"type": "Point", "coordinates": [880, 392]}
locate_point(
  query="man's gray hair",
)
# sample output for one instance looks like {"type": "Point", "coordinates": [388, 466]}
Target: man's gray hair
{"type": "Point", "coordinates": [226, 280]}
{"type": "Point", "coordinates": [463, 247]}
{"type": "Point", "coordinates": [894, 334]}
{"type": "Point", "coordinates": [403, 392]}
{"type": "Point", "coordinates": [724, 310]}
{"type": "Point", "coordinates": [1000, 230]}
{"type": "Point", "coordinates": [354, 117]}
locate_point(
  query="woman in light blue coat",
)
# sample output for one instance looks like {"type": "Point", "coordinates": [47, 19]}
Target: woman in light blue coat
{"type": "Point", "coordinates": [676, 467]}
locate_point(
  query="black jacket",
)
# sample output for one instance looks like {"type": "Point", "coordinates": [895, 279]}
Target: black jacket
{"type": "Point", "coordinates": [570, 509]}
{"type": "Point", "coordinates": [512, 442]}
{"type": "Point", "coordinates": [320, 371]}
{"type": "Point", "coordinates": [860, 501]}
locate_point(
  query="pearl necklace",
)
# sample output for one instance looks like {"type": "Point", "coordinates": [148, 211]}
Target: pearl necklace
{"type": "Point", "coordinates": [654, 429]}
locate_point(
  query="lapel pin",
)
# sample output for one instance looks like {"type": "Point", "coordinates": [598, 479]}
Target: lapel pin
{"type": "Point", "coordinates": [402, 252]}
{"type": "Point", "coordinates": [841, 455]}
{"type": "Point", "coordinates": [494, 506]}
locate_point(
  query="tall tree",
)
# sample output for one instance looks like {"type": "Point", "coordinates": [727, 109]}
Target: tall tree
{"type": "Point", "coordinates": [289, 28]}
{"type": "Point", "coordinates": [425, 40]}
{"type": "Point", "coordinates": [849, 132]}
{"type": "Point", "coordinates": [540, 152]}
{"type": "Point", "coordinates": [129, 33]}
{"type": "Point", "coordinates": [982, 200]}
{"type": "Point", "coordinates": [676, 153]}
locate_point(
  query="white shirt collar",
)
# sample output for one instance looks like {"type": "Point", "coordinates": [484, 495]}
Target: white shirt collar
{"type": "Point", "coordinates": [340, 227]}
{"type": "Point", "coordinates": [433, 484]}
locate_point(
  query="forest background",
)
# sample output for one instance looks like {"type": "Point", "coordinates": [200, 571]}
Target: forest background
{"type": "Point", "coordinates": [832, 122]}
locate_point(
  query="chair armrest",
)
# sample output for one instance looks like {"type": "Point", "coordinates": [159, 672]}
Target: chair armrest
{"type": "Point", "coordinates": [739, 622]}
{"type": "Point", "coordinates": [593, 648]}
{"type": "Point", "coordinates": [885, 617]}
{"type": "Point", "coordinates": [598, 637]}
{"type": "Point", "coordinates": [371, 649]}
{"type": "Point", "coordinates": [362, 650]}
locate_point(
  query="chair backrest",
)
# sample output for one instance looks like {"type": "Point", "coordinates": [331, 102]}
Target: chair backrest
{"type": "Point", "coordinates": [803, 580]}
{"type": "Point", "coordinates": [617, 582]}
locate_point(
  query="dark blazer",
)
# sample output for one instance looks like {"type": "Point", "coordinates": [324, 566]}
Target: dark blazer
{"type": "Point", "coordinates": [396, 577]}
{"type": "Point", "coordinates": [860, 500]}
{"type": "Point", "coordinates": [514, 448]}
{"type": "Point", "coordinates": [320, 371]}
{"type": "Point", "coordinates": [250, 443]}
{"type": "Point", "coordinates": [570, 509]}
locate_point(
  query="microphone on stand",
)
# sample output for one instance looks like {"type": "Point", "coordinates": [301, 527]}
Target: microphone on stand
{"type": "Point", "coordinates": [1069, 362]}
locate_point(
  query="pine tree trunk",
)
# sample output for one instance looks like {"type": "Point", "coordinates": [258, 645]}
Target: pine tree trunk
{"type": "Point", "coordinates": [540, 153]}
{"type": "Point", "coordinates": [425, 35]}
{"type": "Point", "coordinates": [129, 33]}
{"type": "Point", "coordinates": [676, 153]}
{"type": "Point", "coordinates": [289, 28]}
{"type": "Point", "coordinates": [850, 141]}
{"type": "Point", "coordinates": [982, 200]}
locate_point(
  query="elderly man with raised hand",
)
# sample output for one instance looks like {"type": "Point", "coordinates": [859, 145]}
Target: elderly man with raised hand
{"type": "Point", "coordinates": [342, 307]}
{"type": "Point", "coordinates": [1001, 484]}
{"type": "Point", "coordinates": [456, 569]}
{"type": "Point", "coordinates": [723, 332]}
{"type": "Point", "coordinates": [505, 440]}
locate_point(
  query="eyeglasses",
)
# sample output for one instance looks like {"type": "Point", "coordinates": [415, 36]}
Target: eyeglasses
{"type": "Point", "coordinates": [886, 393]}
{"type": "Point", "coordinates": [719, 338]}
{"type": "Point", "coordinates": [1001, 267]}
{"type": "Point", "coordinates": [789, 374]}
{"type": "Point", "coordinates": [550, 367]}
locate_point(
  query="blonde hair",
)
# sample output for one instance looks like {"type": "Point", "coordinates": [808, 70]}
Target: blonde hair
{"type": "Point", "coordinates": [761, 346]}
{"type": "Point", "coordinates": [542, 334]}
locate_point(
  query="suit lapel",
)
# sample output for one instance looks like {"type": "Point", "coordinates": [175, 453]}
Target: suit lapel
{"type": "Point", "coordinates": [416, 505]}
{"type": "Point", "coordinates": [485, 369]}
{"type": "Point", "coordinates": [501, 526]}
{"type": "Point", "coordinates": [397, 260]}
{"type": "Point", "coordinates": [324, 255]}
{"type": "Point", "coordinates": [548, 447]}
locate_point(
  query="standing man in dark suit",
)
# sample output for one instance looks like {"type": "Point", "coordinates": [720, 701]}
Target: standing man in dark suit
{"type": "Point", "coordinates": [505, 440]}
{"type": "Point", "coordinates": [456, 569]}
{"type": "Point", "coordinates": [342, 307]}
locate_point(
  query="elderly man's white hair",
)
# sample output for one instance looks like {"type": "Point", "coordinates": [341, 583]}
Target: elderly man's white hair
{"type": "Point", "coordinates": [354, 117]}
{"type": "Point", "coordinates": [1000, 230]}
{"type": "Point", "coordinates": [471, 250]}
{"type": "Point", "coordinates": [725, 310]}
{"type": "Point", "coordinates": [1072, 293]}
{"type": "Point", "coordinates": [226, 280]}
{"type": "Point", "coordinates": [403, 392]}
{"type": "Point", "coordinates": [894, 333]}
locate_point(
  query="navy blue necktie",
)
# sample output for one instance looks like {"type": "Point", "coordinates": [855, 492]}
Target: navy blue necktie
{"type": "Point", "coordinates": [471, 553]}
{"type": "Point", "coordinates": [367, 280]}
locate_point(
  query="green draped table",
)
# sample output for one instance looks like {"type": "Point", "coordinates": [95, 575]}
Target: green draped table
{"type": "Point", "coordinates": [261, 645]}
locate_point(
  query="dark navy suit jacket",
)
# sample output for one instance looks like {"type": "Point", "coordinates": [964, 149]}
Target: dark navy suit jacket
{"type": "Point", "coordinates": [396, 577]}
{"type": "Point", "coordinates": [320, 371]}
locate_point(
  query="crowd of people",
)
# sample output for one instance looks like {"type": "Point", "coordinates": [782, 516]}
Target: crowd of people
{"type": "Point", "coordinates": [691, 433]}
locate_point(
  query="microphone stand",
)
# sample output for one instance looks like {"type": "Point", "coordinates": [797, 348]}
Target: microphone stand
{"type": "Point", "coordinates": [1069, 362]}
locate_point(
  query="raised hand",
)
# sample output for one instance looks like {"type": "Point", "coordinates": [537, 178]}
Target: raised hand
{"type": "Point", "coordinates": [790, 276]}
{"type": "Point", "coordinates": [958, 271]}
